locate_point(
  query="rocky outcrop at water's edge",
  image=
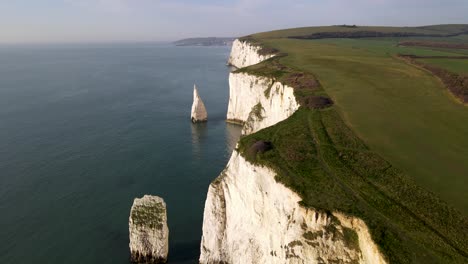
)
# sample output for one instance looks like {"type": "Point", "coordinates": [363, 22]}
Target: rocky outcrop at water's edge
{"type": "Point", "coordinates": [149, 233]}
{"type": "Point", "coordinates": [199, 113]}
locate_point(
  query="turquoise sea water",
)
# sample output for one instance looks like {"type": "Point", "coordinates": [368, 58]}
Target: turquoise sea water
{"type": "Point", "coordinates": [86, 128]}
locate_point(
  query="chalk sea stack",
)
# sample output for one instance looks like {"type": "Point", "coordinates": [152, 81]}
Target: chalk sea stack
{"type": "Point", "coordinates": [198, 108]}
{"type": "Point", "coordinates": [149, 234]}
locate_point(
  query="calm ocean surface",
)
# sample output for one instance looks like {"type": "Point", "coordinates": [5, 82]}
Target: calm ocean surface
{"type": "Point", "coordinates": [84, 129]}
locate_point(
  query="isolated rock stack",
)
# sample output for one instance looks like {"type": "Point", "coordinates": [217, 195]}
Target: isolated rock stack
{"type": "Point", "coordinates": [149, 234]}
{"type": "Point", "coordinates": [199, 113]}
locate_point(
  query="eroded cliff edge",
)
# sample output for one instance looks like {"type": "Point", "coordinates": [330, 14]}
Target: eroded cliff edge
{"type": "Point", "coordinates": [244, 54]}
{"type": "Point", "coordinates": [251, 218]}
{"type": "Point", "coordinates": [258, 102]}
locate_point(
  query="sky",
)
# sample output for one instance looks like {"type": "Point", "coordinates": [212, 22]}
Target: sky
{"type": "Point", "coordinates": [44, 21]}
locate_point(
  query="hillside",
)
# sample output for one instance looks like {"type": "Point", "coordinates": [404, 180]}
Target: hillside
{"type": "Point", "coordinates": [377, 136]}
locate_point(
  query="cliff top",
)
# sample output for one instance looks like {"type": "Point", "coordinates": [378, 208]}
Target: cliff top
{"type": "Point", "coordinates": [149, 211]}
{"type": "Point", "coordinates": [432, 30]}
{"type": "Point", "coordinates": [367, 155]}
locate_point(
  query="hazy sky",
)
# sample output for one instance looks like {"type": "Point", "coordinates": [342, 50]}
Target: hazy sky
{"type": "Point", "coordinates": [155, 20]}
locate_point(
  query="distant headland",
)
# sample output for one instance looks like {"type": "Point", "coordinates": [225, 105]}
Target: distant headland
{"type": "Point", "coordinates": [213, 41]}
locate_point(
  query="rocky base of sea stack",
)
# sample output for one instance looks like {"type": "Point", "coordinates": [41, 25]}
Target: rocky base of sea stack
{"type": "Point", "coordinates": [149, 234]}
{"type": "Point", "coordinates": [138, 258]}
{"type": "Point", "coordinates": [199, 121]}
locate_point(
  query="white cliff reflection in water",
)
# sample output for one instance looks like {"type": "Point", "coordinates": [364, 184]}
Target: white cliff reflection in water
{"type": "Point", "coordinates": [201, 131]}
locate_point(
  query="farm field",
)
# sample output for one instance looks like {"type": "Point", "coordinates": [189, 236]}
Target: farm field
{"type": "Point", "coordinates": [453, 65]}
{"type": "Point", "coordinates": [392, 149]}
{"type": "Point", "coordinates": [402, 112]}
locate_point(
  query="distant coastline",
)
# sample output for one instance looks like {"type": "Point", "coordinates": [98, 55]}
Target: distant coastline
{"type": "Point", "coordinates": [212, 41]}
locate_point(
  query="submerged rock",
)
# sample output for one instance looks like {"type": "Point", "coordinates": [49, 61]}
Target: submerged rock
{"type": "Point", "coordinates": [199, 113]}
{"type": "Point", "coordinates": [149, 234]}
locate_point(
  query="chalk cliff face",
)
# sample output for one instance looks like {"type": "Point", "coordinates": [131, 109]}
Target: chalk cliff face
{"type": "Point", "coordinates": [259, 102]}
{"type": "Point", "coordinates": [244, 54]}
{"type": "Point", "coordinates": [149, 234]}
{"type": "Point", "coordinates": [199, 113]}
{"type": "Point", "coordinates": [251, 218]}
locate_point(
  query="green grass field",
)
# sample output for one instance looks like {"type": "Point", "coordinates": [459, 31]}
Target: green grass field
{"type": "Point", "coordinates": [453, 65]}
{"type": "Point", "coordinates": [318, 156]}
{"type": "Point", "coordinates": [402, 112]}
{"type": "Point", "coordinates": [439, 29]}
{"type": "Point", "coordinates": [393, 143]}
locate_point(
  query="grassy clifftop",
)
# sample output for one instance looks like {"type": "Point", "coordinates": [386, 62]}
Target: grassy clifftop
{"type": "Point", "coordinates": [391, 145]}
{"type": "Point", "coordinates": [436, 30]}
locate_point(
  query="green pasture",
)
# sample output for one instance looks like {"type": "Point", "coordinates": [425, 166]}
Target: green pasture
{"type": "Point", "coordinates": [317, 155]}
{"type": "Point", "coordinates": [400, 111]}
{"type": "Point", "coordinates": [454, 65]}
{"type": "Point", "coordinates": [303, 31]}
{"type": "Point", "coordinates": [393, 150]}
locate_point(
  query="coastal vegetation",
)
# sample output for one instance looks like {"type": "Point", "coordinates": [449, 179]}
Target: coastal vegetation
{"type": "Point", "coordinates": [257, 111]}
{"type": "Point", "coordinates": [377, 136]}
{"type": "Point", "coordinates": [459, 66]}
{"type": "Point", "coordinates": [403, 112]}
{"type": "Point", "coordinates": [148, 215]}
{"type": "Point", "coordinates": [447, 70]}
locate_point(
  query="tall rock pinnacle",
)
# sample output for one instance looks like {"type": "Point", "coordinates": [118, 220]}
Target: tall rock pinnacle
{"type": "Point", "coordinates": [198, 108]}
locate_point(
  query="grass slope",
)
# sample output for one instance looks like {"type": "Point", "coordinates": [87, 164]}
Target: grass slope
{"type": "Point", "coordinates": [393, 128]}
{"type": "Point", "coordinates": [315, 154]}
{"type": "Point", "coordinates": [402, 112]}
{"type": "Point", "coordinates": [453, 65]}
{"type": "Point", "coordinates": [305, 31]}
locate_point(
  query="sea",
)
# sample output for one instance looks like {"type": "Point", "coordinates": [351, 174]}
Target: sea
{"type": "Point", "coordinates": [86, 128]}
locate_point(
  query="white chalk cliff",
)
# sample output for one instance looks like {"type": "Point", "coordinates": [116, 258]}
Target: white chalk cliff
{"type": "Point", "coordinates": [149, 234]}
{"type": "Point", "coordinates": [259, 102]}
{"type": "Point", "coordinates": [199, 113]}
{"type": "Point", "coordinates": [251, 218]}
{"type": "Point", "coordinates": [244, 54]}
